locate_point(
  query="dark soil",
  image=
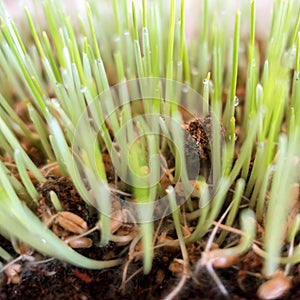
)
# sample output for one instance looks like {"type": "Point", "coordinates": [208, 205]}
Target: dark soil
{"type": "Point", "coordinates": [55, 280]}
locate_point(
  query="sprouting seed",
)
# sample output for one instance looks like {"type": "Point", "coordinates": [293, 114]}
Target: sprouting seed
{"type": "Point", "coordinates": [71, 222]}
{"type": "Point", "coordinates": [275, 287]}
{"type": "Point", "coordinates": [224, 261]}
{"type": "Point", "coordinates": [80, 242]}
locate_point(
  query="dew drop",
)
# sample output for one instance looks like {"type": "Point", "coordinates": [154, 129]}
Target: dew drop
{"type": "Point", "coordinates": [43, 241]}
{"type": "Point", "coordinates": [205, 81]}
{"type": "Point", "coordinates": [83, 89]}
{"type": "Point", "coordinates": [236, 101]}
{"type": "Point", "coordinates": [234, 137]}
{"type": "Point", "coordinates": [297, 75]}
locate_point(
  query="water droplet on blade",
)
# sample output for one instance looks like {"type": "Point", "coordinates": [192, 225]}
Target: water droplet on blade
{"type": "Point", "coordinates": [205, 81]}
{"type": "Point", "coordinates": [236, 101]}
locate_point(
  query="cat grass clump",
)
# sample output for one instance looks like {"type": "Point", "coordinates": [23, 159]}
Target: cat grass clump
{"type": "Point", "coordinates": [166, 139]}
